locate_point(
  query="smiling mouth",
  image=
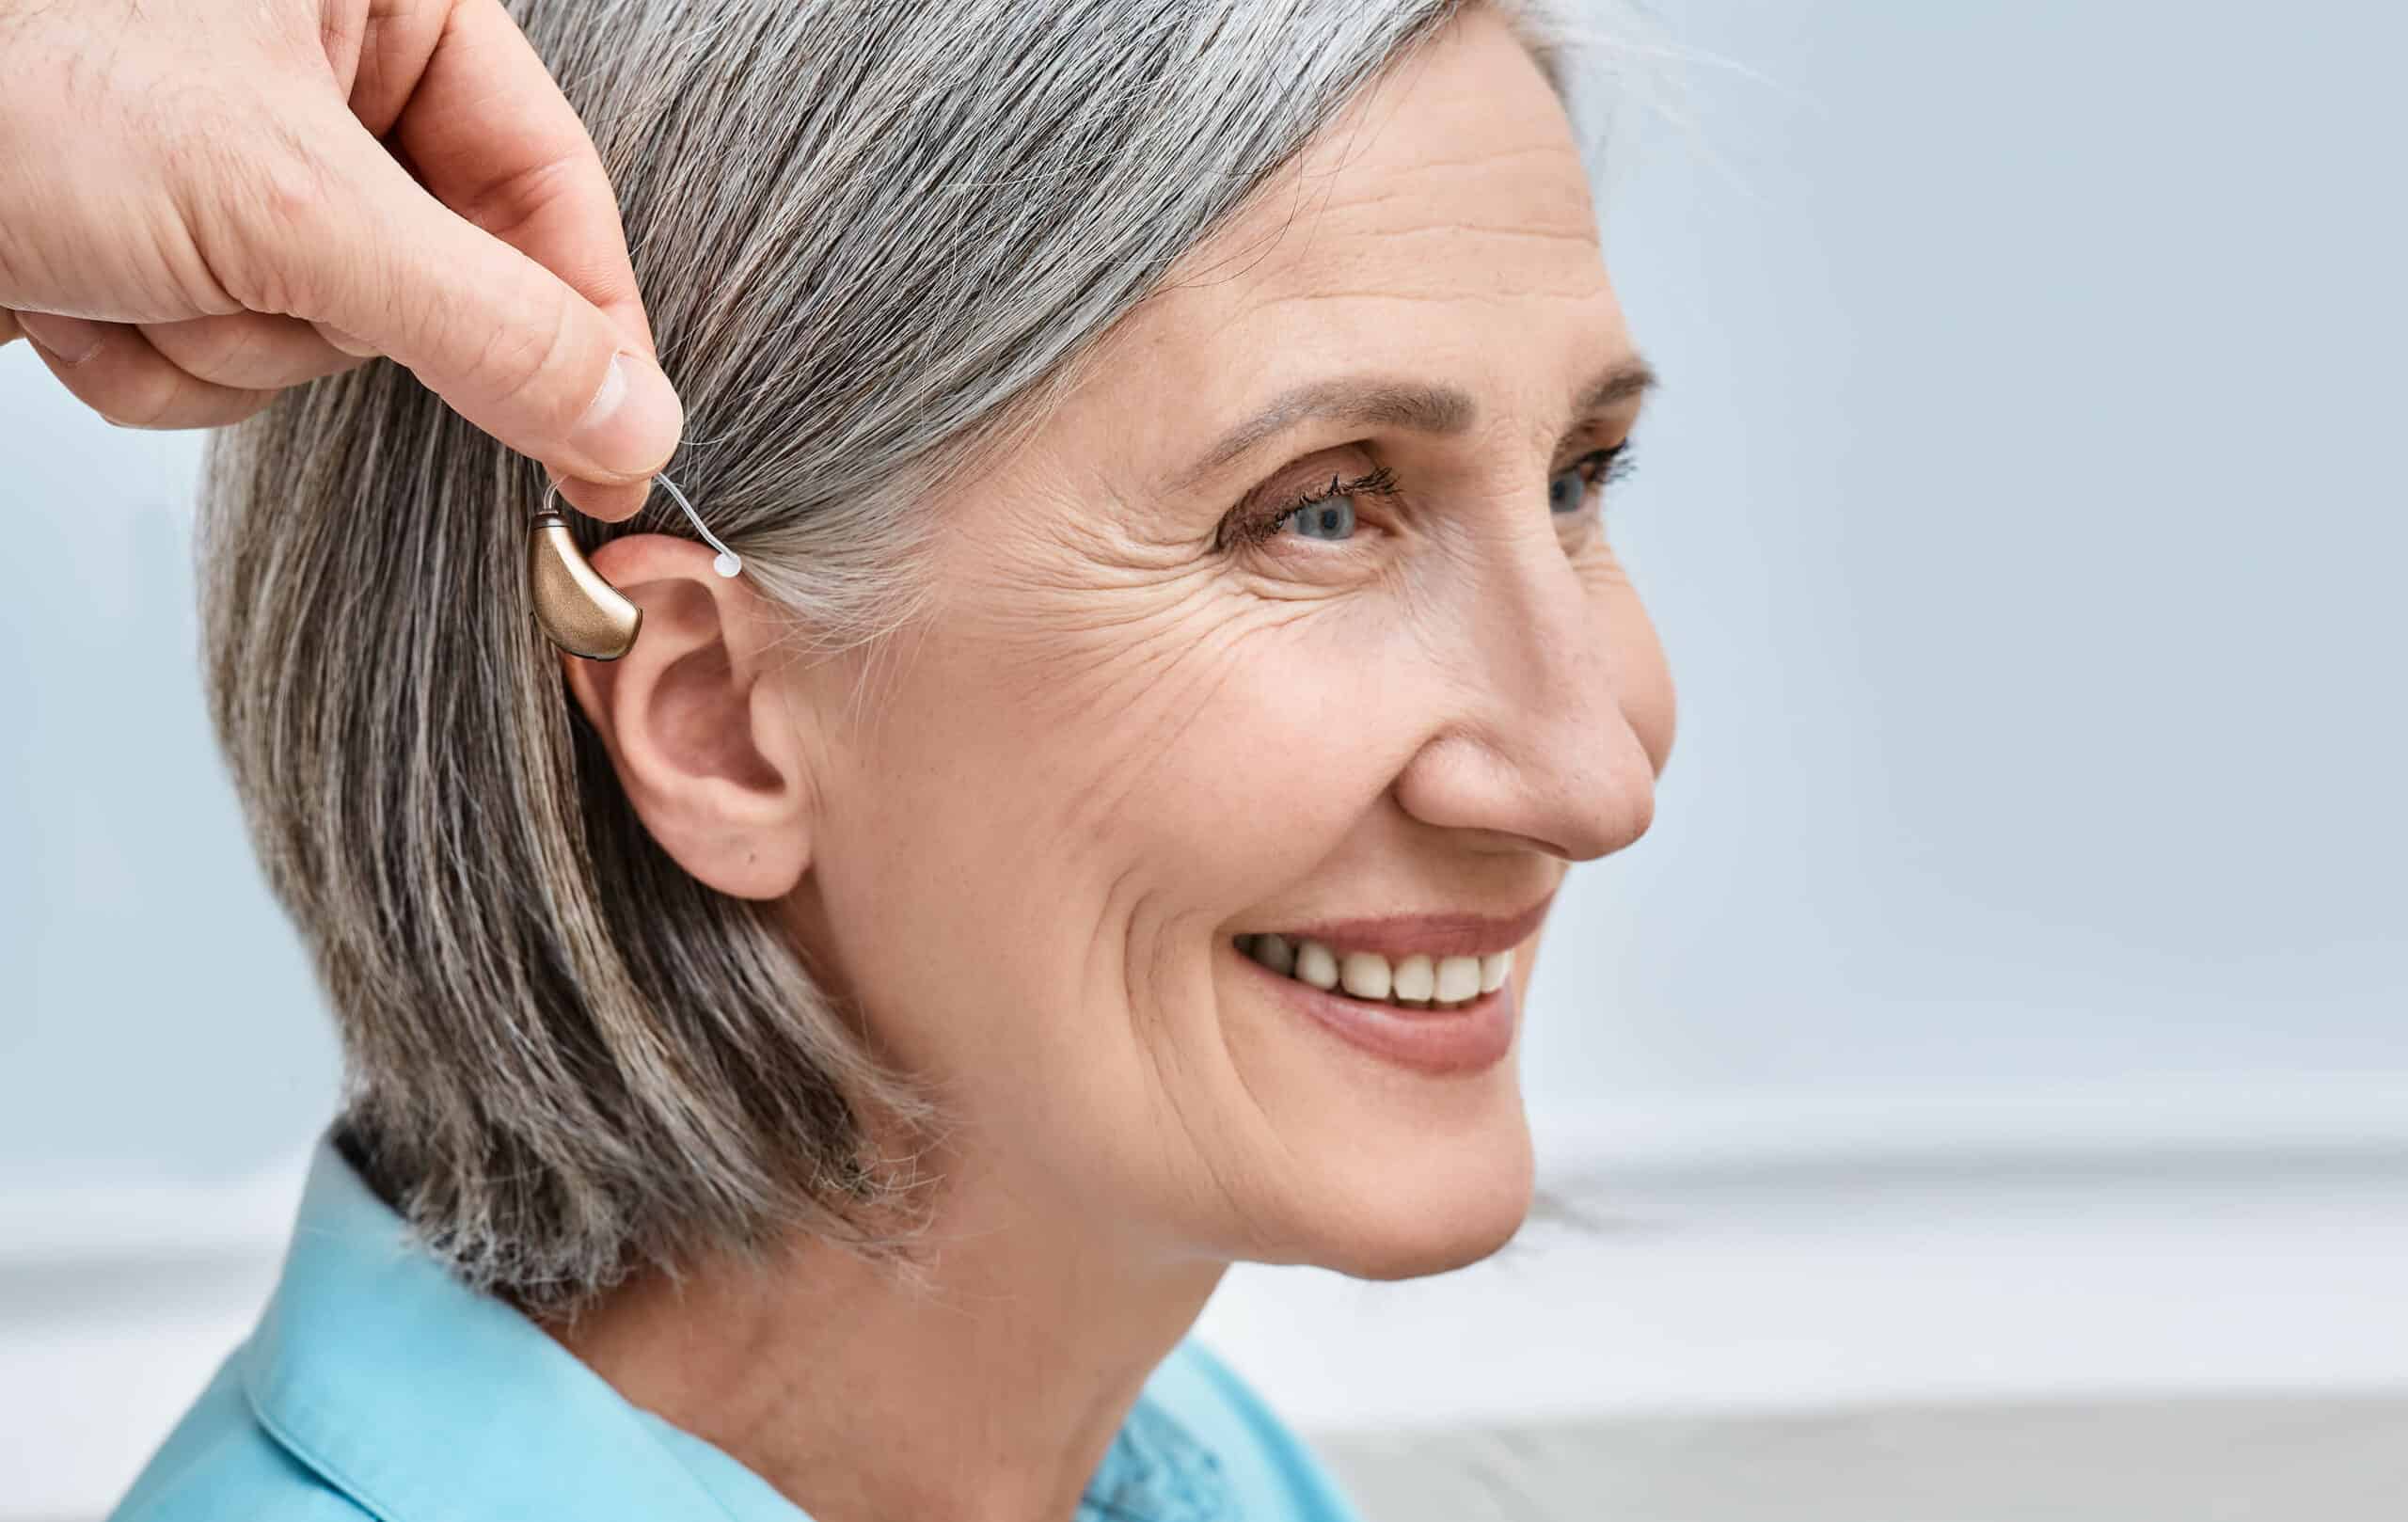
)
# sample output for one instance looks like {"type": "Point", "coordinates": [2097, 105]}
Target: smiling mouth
{"type": "Point", "coordinates": [1417, 980]}
{"type": "Point", "coordinates": [1410, 961]}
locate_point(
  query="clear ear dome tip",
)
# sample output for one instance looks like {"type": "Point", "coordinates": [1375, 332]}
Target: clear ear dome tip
{"type": "Point", "coordinates": [727, 565]}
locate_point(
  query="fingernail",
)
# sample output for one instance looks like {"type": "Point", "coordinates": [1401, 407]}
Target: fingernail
{"type": "Point", "coordinates": [631, 425]}
{"type": "Point", "coordinates": [70, 340]}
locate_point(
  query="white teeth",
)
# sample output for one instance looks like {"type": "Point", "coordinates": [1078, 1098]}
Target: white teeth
{"type": "Point", "coordinates": [1415, 982]}
{"type": "Point", "coordinates": [1365, 974]}
{"type": "Point", "coordinates": [1316, 965]}
{"type": "Point", "coordinates": [1458, 978]}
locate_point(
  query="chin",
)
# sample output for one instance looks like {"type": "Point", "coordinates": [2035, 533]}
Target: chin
{"type": "Point", "coordinates": [1379, 1166]}
{"type": "Point", "coordinates": [1438, 1208]}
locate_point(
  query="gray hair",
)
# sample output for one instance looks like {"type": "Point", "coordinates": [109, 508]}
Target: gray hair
{"type": "Point", "coordinates": [875, 242]}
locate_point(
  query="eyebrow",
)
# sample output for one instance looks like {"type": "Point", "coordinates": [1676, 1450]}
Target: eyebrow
{"type": "Point", "coordinates": [1419, 406]}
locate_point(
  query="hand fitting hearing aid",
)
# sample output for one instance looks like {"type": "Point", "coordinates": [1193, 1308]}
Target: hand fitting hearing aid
{"type": "Point", "coordinates": [579, 612]}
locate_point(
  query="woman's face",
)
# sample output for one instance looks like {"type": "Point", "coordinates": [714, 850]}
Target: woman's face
{"type": "Point", "coordinates": [1150, 716]}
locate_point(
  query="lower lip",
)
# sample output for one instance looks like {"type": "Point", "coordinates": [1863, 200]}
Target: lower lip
{"type": "Point", "coordinates": [1467, 1039]}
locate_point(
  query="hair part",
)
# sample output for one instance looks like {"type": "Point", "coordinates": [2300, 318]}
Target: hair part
{"type": "Point", "coordinates": [875, 242]}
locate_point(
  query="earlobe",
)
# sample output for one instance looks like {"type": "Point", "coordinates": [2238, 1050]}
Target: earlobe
{"type": "Point", "coordinates": [698, 729]}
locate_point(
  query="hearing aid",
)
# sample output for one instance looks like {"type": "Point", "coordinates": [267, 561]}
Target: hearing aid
{"type": "Point", "coordinates": [578, 610]}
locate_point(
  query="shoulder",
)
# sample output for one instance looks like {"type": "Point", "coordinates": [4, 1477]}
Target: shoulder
{"type": "Point", "coordinates": [1276, 1475]}
{"type": "Point", "coordinates": [219, 1465]}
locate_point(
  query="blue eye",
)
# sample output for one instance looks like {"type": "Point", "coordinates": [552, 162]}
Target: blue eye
{"type": "Point", "coordinates": [1327, 514]}
{"type": "Point", "coordinates": [1568, 490]}
{"type": "Point", "coordinates": [1332, 517]}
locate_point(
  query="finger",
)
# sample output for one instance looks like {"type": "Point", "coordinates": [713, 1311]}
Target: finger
{"type": "Point", "coordinates": [130, 384]}
{"type": "Point", "coordinates": [457, 91]}
{"type": "Point", "coordinates": [8, 328]}
{"type": "Point", "coordinates": [249, 350]}
{"type": "Point", "coordinates": [457, 87]}
{"type": "Point", "coordinates": [505, 341]}
{"type": "Point", "coordinates": [72, 340]}
{"type": "Point", "coordinates": [604, 500]}
{"type": "Point", "coordinates": [359, 348]}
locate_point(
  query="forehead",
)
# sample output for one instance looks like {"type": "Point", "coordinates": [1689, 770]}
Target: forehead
{"type": "Point", "coordinates": [1441, 227]}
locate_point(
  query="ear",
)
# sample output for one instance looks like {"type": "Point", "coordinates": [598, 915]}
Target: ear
{"type": "Point", "coordinates": [700, 730]}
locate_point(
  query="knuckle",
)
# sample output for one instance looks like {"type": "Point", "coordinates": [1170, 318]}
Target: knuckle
{"type": "Point", "coordinates": [296, 186]}
{"type": "Point", "coordinates": [230, 351]}
{"type": "Point", "coordinates": [226, 351]}
{"type": "Point", "coordinates": [503, 207]}
{"type": "Point", "coordinates": [201, 346]}
{"type": "Point", "coordinates": [279, 201]}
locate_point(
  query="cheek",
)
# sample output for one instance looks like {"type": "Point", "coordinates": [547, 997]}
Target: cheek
{"type": "Point", "coordinates": [1199, 741]}
{"type": "Point", "coordinates": [1030, 831]}
{"type": "Point", "coordinates": [1270, 750]}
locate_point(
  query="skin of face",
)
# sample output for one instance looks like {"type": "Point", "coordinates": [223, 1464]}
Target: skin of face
{"type": "Point", "coordinates": [1023, 834]}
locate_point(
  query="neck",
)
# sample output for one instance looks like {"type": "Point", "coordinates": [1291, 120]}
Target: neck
{"type": "Point", "coordinates": [991, 1398]}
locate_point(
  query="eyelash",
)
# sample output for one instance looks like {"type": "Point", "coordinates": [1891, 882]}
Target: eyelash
{"type": "Point", "coordinates": [1611, 464]}
{"type": "Point", "coordinates": [1255, 528]}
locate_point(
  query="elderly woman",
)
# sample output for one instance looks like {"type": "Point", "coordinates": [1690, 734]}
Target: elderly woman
{"type": "Point", "coordinates": [820, 1062]}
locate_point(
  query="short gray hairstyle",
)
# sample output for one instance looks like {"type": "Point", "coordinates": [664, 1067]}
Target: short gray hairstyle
{"type": "Point", "coordinates": [874, 243]}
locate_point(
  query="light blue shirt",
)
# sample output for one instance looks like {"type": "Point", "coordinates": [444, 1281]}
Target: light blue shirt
{"type": "Point", "coordinates": [378, 1383]}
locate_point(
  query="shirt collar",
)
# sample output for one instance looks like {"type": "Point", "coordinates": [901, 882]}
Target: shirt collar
{"type": "Point", "coordinates": [426, 1400]}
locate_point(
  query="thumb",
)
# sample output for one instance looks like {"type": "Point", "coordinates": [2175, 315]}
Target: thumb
{"type": "Point", "coordinates": [508, 344]}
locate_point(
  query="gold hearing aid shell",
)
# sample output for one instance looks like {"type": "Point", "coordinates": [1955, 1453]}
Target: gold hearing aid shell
{"type": "Point", "coordinates": [579, 612]}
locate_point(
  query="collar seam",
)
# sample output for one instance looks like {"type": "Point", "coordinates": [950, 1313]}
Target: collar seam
{"type": "Point", "coordinates": [332, 1474]}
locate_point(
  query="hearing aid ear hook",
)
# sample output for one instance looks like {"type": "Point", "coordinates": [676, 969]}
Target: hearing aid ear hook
{"type": "Point", "coordinates": [579, 612]}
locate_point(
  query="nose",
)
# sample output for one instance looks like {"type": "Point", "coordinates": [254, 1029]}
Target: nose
{"type": "Point", "coordinates": [1539, 746]}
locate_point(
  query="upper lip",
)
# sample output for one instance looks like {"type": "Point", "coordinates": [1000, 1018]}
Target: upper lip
{"type": "Point", "coordinates": [1446, 934]}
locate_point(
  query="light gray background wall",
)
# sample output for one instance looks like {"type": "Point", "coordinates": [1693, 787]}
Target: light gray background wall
{"type": "Point", "coordinates": [2023, 517]}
